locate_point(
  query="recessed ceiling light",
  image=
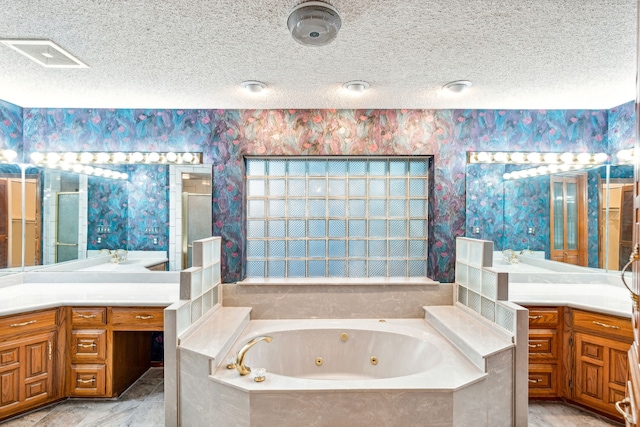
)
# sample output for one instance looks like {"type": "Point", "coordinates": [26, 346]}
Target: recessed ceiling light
{"type": "Point", "coordinates": [45, 53]}
{"type": "Point", "coordinates": [457, 86]}
{"type": "Point", "coordinates": [356, 86]}
{"type": "Point", "coordinates": [253, 86]}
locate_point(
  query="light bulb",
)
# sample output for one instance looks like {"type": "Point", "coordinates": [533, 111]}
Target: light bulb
{"type": "Point", "coordinates": [500, 157]}
{"type": "Point", "coordinates": [153, 157]}
{"type": "Point", "coordinates": [483, 157]}
{"type": "Point", "coordinates": [600, 157]}
{"type": "Point", "coordinates": [517, 157]}
{"type": "Point", "coordinates": [102, 158]}
{"type": "Point", "coordinates": [187, 157]}
{"type": "Point", "coordinates": [584, 158]}
{"type": "Point", "coordinates": [119, 157]}
{"type": "Point", "coordinates": [533, 157]}
{"type": "Point", "coordinates": [550, 158]}
{"type": "Point", "coordinates": [10, 155]}
{"type": "Point", "coordinates": [36, 157]}
{"type": "Point", "coordinates": [136, 157]}
{"type": "Point", "coordinates": [53, 158]}
{"type": "Point", "coordinates": [86, 158]}
{"type": "Point", "coordinates": [566, 157]}
{"type": "Point", "coordinates": [171, 156]}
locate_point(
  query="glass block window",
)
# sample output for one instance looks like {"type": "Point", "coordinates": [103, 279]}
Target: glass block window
{"type": "Point", "coordinates": [336, 217]}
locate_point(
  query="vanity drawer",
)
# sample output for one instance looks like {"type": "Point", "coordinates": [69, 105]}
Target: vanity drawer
{"type": "Point", "coordinates": [137, 319]}
{"type": "Point", "coordinates": [543, 317]}
{"type": "Point", "coordinates": [543, 344]}
{"type": "Point", "coordinates": [603, 324]}
{"type": "Point", "coordinates": [88, 346]}
{"type": "Point", "coordinates": [543, 380]}
{"type": "Point", "coordinates": [88, 316]}
{"type": "Point", "coordinates": [27, 322]}
{"type": "Point", "coordinates": [87, 380]}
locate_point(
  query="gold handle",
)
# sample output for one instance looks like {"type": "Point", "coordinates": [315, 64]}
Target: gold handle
{"type": "Point", "coordinates": [535, 317]}
{"type": "Point", "coordinates": [87, 345]}
{"type": "Point", "coordinates": [87, 316]}
{"type": "Point", "coordinates": [15, 325]}
{"type": "Point", "coordinates": [91, 381]}
{"type": "Point", "coordinates": [632, 258]}
{"type": "Point", "coordinates": [535, 345]}
{"type": "Point", "coordinates": [604, 325]}
{"type": "Point", "coordinates": [627, 417]}
{"type": "Point", "coordinates": [144, 317]}
{"type": "Point", "coordinates": [537, 380]}
{"type": "Point", "coordinates": [50, 351]}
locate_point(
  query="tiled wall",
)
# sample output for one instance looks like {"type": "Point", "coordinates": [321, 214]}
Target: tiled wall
{"type": "Point", "coordinates": [225, 135]}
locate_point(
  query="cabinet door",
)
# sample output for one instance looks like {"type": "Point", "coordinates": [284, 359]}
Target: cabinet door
{"type": "Point", "coordinates": [601, 372]}
{"type": "Point", "coordinates": [26, 372]}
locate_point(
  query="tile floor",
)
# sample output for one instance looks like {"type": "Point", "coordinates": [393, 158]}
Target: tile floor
{"type": "Point", "coordinates": [143, 405]}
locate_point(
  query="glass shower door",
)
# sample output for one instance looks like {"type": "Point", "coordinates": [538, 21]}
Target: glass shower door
{"type": "Point", "coordinates": [68, 206]}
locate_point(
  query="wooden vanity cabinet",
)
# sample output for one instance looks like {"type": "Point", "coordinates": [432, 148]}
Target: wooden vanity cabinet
{"type": "Point", "coordinates": [545, 351]}
{"type": "Point", "coordinates": [600, 346]}
{"type": "Point", "coordinates": [158, 267]}
{"type": "Point", "coordinates": [31, 362]}
{"type": "Point", "coordinates": [109, 348]}
{"type": "Point", "coordinates": [579, 356]}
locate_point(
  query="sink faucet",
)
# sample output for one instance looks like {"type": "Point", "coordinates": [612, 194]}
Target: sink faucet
{"type": "Point", "coordinates": [510, 256]}
{"type": "Point", "coordinates": [524, 251]}
{"type": "Point", "coordinates": [117, 255]}
{"type": "Point", "coordinates": [244, 370]}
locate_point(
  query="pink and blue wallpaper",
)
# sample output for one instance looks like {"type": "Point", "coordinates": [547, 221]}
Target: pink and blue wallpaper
{"type": "Point", "coordinates": [225, 136]}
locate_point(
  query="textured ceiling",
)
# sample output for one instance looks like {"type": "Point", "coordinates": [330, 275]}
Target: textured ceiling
{"type": "Point", "coordinates": [519, 54]}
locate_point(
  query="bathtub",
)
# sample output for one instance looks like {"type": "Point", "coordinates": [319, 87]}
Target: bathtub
{"type": "Point", "coordinates": [353, 372]}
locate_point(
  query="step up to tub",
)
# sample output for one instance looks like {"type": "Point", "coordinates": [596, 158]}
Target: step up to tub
{"type": "Point", "coordinates": [471, 335]}
{"type": "Point", "coordinates": [217, 332]}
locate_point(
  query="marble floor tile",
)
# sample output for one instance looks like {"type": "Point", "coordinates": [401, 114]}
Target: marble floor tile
{"type": "Point", "coordinates": [556, 414]}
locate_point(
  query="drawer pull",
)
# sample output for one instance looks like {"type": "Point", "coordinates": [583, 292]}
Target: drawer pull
{"type": "Point", "coordinates": [91, 381]}
{"type": "Point", "coordinates": [604, 325]}
{"type": "Point", "coordinates": [86, 345]}
{"type": "Point", "coordinates": [627, 417]}
{"type": "Point", "coordinates": [16, 325]}
{"type": "Point", "coordinates": [87, 316]}
{"type": "Point", "coordinates": [535, 317]}
{"type": "Point", "coordinates": [535, 345]}
{"type": "Point", "coordinates": [144, 317]}
{"type": "Point", "coordinates": [50, 350]}
{"type": "Point", "coordinates": [537, 380]}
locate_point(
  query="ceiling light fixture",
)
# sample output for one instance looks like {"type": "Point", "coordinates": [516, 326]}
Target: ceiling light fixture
{"type": "Point", "coordinates": [314, 23]}
{"type": "Point", "coordinates": [457, 86]}
{"type": "Point", "coordinates": [253, 86]}
{"type": "Point", "coordinates": [358, 86]}
{"type": "Point", "coordinates": [533, 157]}
{"type": "Point", "coordinates": [54, 159]}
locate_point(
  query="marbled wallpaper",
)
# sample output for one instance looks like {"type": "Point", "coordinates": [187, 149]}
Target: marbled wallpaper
{"type": "Point", "coordinates": [10, 126]}
{"type": "Point", "coordinates": [224, 136]}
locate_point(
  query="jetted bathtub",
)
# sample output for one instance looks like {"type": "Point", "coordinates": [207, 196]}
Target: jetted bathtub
{"type": "Point", "coordinates": [347, 372]}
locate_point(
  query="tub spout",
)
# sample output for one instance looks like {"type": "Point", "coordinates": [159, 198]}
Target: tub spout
{"type": "Point", "coordinates": [244, 370]}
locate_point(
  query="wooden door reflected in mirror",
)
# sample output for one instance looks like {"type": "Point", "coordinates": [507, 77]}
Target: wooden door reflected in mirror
{"type": "Point", "coordinates": [568, 223]}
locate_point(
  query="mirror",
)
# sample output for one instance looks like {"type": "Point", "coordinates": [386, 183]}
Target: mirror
{"type": "Point", "coordinates": [518, 214]}
{"type": "Point", "coordinates": [81, 213]}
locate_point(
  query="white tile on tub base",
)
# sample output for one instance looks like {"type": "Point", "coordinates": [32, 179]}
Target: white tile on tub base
{"type": "Point", "coordinates": [500, 387]}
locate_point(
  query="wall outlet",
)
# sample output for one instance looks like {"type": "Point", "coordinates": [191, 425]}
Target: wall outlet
{"type": "Point", "coordinates": [475, 230]}
{"type": "Point", "coordinates": [531, 230]}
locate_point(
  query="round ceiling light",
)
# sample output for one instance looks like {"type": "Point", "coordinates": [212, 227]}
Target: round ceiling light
{"type": "Point", "coordinates": [253, 86]}
{"type": "Point", "coordinates": [457, 86]}
{"type": "Point", "coordinates": [314, 23]}
{"type": "Point", "coordinates": [356, 86]}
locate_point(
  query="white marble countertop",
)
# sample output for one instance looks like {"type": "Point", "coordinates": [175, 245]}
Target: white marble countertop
{"type": "Point", "coordinates": [35, 296]}
{"type": "Point", "coordinates": [131, 264]}
{"type": "Point", "coordinates": [602, 298]}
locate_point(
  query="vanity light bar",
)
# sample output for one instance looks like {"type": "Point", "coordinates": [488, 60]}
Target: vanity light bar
{"type": "Point", "coordinates": [118, 158]}
{"type": "Point", "coordinates": [542, 170]}
{"type": "Point", "coordinates": [8, 156]}
{"type": "Point", "coordinates": [89, 170]}
{"type": "Point", "coordinates": [626, 156]}
{"type": "Point", "coordinates": [536, 158]}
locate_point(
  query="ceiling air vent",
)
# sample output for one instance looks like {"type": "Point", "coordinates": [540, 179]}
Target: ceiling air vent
{"type": "Point", "coordinates": [45, 53]}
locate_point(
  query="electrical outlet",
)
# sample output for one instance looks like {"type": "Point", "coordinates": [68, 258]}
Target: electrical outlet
{"type": "Point", "coordinates": [155, 240]}
{"type": "Point", "coordinates": [531, 230]}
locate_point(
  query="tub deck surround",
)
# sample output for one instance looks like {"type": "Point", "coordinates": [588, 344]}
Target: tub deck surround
{"type": "Point", "coordinates": [601, 298]}
{"type": "Point", "coordinates": [450, 390]}
{"type": "Point", "coordinates": [336, 299]}
{"type": "Point", "coordinates": [339, 281]}
{"type": "Point", "coordinates": [468, 333]}
{"type": "Point", "coordinates": [213, 335]}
